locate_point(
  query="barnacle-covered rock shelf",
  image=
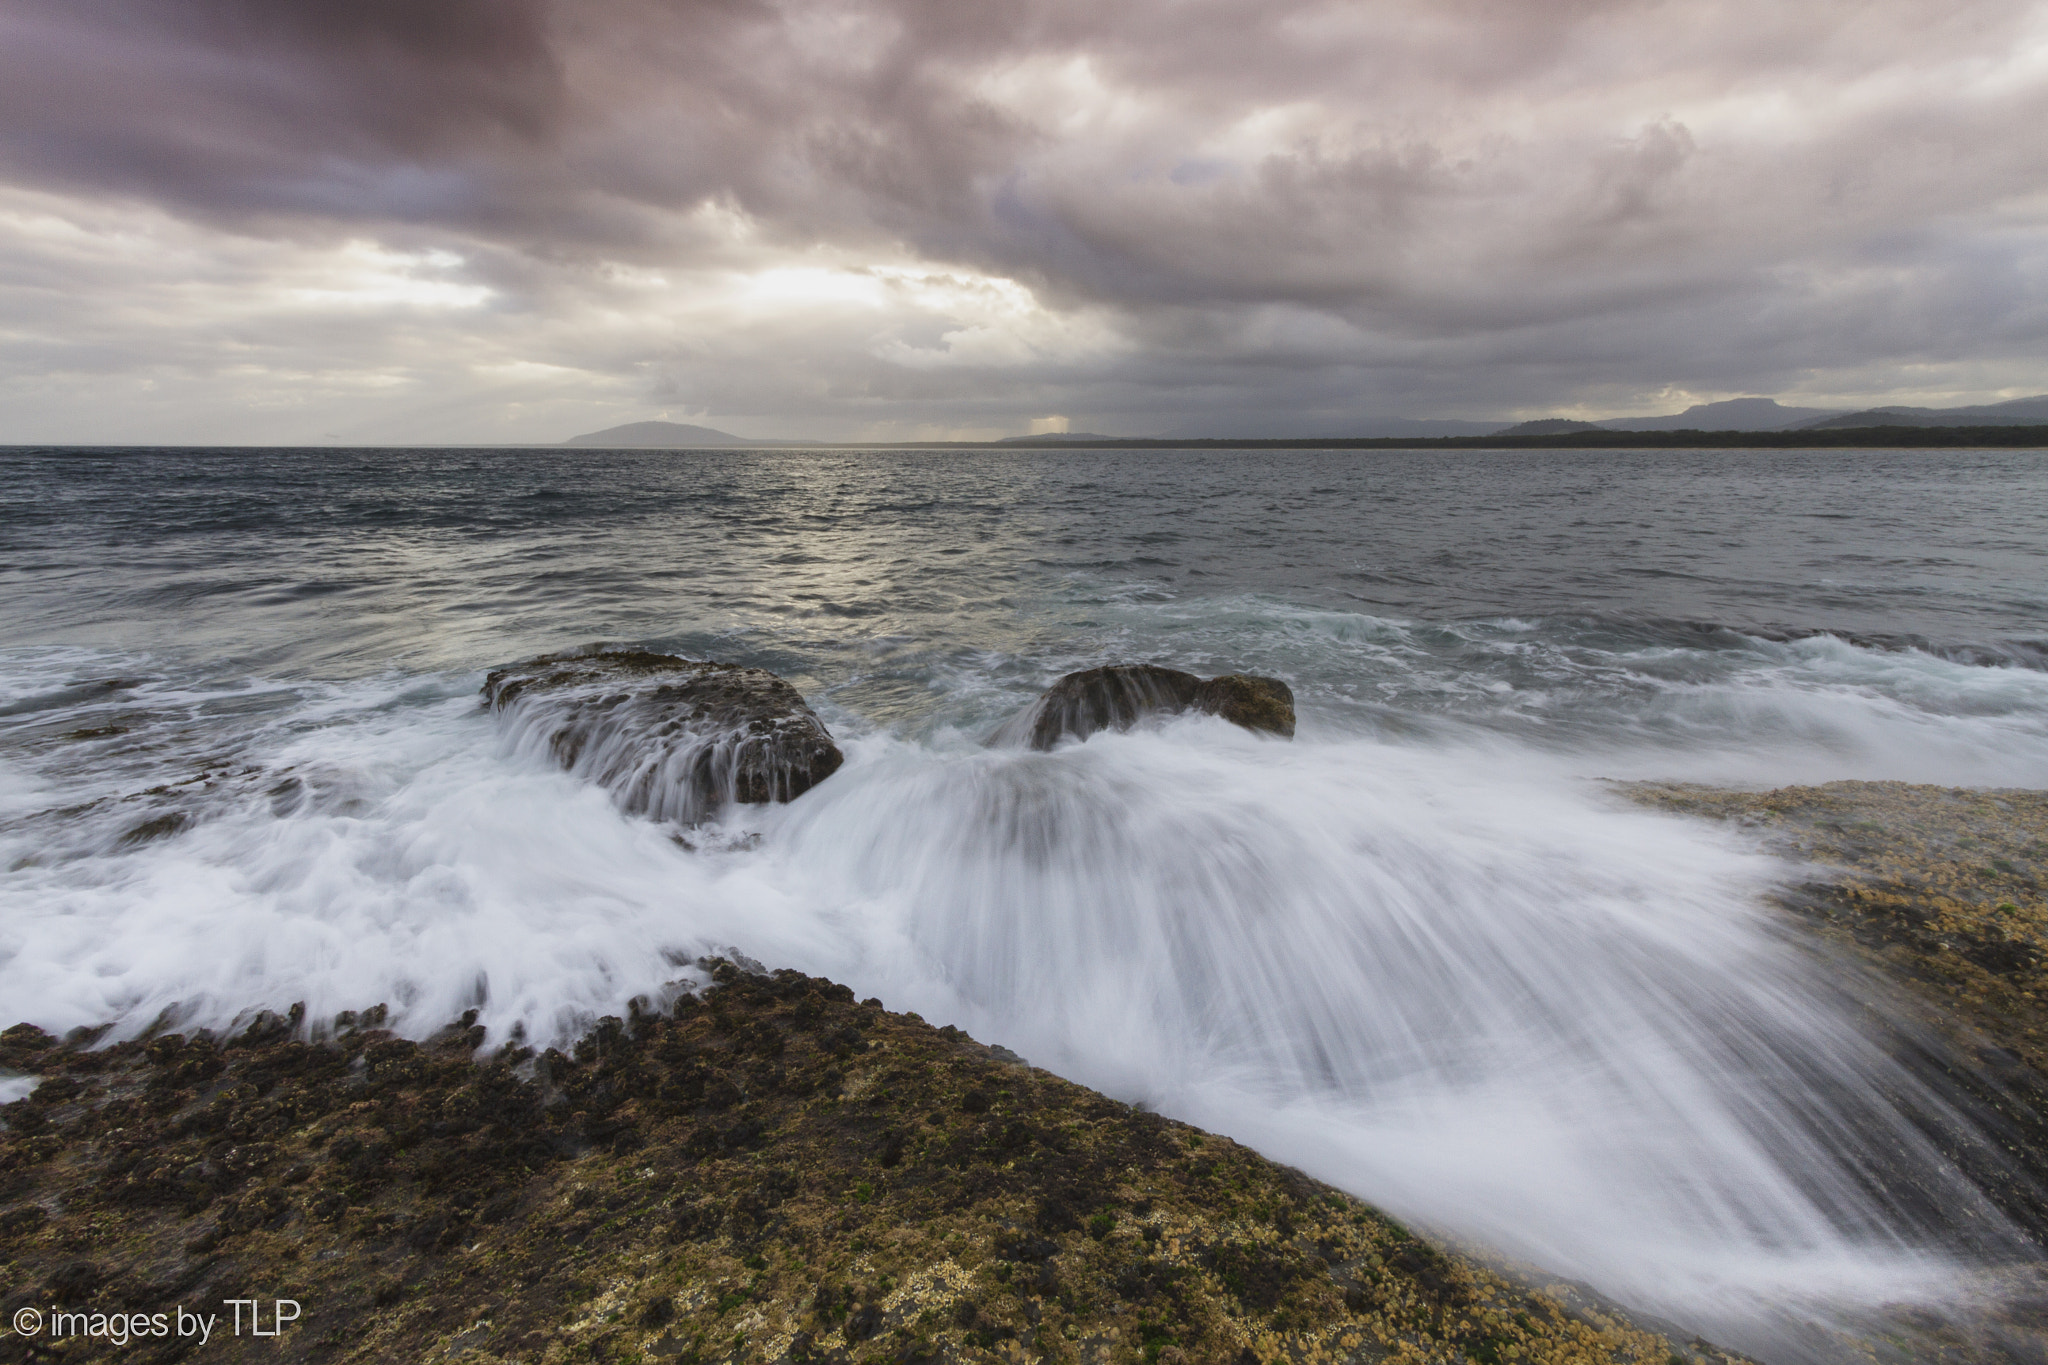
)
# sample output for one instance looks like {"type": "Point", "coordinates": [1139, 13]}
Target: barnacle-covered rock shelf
{"type": "Point", "coordinates": [1940, 895]}
{"type": "Point", "coordinates": [770, 1171]}
{"type": "Point", "coordinates": [1943, 889]}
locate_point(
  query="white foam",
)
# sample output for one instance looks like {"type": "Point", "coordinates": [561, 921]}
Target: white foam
{"type": "Point", "coordinates": [1447, 973]}
{"type": "Point", "coordinates": [1484, 997]}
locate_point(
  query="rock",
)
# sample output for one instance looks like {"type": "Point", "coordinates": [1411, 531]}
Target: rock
{"type": "Point", "coordinates": [1118, 696]}
{"type": "Point", "coordinates": [675, 739]}
{"type": "Point", "coordinates": [672, 1189]}
{"type": "Point", "coordinates": [1256, 703]}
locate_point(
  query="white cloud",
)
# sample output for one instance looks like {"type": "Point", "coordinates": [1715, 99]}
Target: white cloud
{"type": "Point", "coordinates": [829, 218]}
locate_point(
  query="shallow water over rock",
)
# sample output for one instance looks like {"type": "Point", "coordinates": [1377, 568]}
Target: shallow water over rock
{"type": "Point", "coordinates": [1119, 696]}
{"type": "Point", "coordinates": [673, 739]}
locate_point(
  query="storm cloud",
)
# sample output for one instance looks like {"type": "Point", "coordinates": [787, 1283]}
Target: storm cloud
{"type": "Point", "coordinates": [516, 219]}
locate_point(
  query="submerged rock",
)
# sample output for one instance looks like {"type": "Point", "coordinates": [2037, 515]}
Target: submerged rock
{"type": "Point", "coordinates": [1118, 696]}
{"type": "Point", "coordinates": [672, 738]}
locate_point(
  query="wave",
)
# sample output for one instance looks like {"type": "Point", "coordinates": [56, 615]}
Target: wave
{"type": "Point", "coordinates": [1432, 963]}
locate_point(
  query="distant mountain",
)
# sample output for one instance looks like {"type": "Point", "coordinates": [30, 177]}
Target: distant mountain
{"type": "Point", "coordinates": [1731, 414]}
{"type": "Point", "coordinates": [669, 436]}
{"type": "Point", "coordinates": [1734, 414]}
{"type": "Point", "coordinates": [1767, 414]}
{"type": "Point", "coordinates": [1875, 417]}
{"type": "Point", "coordinates": [2016, 412]}
{"type": "Point", "coordinates": [2013, 411]}
{"type": "Point", "coordinates": [1547, 426]}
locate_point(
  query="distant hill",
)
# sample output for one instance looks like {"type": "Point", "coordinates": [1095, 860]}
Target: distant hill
{"type": "Point", "coordinates": [1767, 414]}
{"type": "Point", "coordinates": [1875, 417]}
{"type": "Point", "coordinates": [1758, 415]}
{"type": "Point", "coordinates": [669, 436]}
{"type": "Point", "coordinates": [2012, 412]}
{"type": "Point", "coordinates": [2017, 412]}
{"type": "Point", "coordinates": [1547, 426]}
{"type": "Point", "coordinates": [1730, 414]}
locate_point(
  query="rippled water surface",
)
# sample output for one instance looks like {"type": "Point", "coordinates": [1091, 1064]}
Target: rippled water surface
{"type": "Point", "coordinates": [341, 562]}
{"type": "Point", "coordinates": [1422, 949]}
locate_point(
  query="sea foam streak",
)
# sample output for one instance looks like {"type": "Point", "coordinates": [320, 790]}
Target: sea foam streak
{"type": "Point", "coordinates": [1449, 974]}
{"type": "Point", "coordinates": [1486, 998]}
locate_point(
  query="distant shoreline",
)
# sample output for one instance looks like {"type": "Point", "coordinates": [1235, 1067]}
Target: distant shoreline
{"type": "Point", "coordinates": [1889, 438]}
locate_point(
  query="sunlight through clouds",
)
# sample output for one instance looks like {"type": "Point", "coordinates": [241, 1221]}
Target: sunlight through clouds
{"type": "Point", "coordinates": [818, 220]}
{"type": "Point", "coordinates": [365, 275]}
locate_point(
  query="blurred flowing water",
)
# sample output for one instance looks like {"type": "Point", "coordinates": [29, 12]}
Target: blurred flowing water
{"type": "Point", "coordinates": [1421, 950]}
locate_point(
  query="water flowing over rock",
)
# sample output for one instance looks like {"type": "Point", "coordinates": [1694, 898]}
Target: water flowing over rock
{"type": "Point", "coordinates": [1119, 696]}
{"type": "Point", "coordinates": [676, 739]}
{"type": "Point", "coordinates": [463, 1195]}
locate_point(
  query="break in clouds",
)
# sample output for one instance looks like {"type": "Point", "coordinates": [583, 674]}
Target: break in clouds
{"type": "Point", "coordinates": [479, 220]}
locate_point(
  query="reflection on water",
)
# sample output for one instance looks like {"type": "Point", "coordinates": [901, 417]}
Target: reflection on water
{"type": "Point", "coordinates": [243, 763]}
{"type": "Point", "coordinates": [329, 562]}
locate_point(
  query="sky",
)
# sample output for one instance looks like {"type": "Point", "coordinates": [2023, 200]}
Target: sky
{"type": "Point", "coordinates": [387, 221]}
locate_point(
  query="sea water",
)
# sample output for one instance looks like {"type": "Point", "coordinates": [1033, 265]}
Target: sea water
{"type": "Point", "coordinates": [1424, 950]}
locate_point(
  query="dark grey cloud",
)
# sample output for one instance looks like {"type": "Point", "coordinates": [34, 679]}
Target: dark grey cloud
{"type": "Point", "coordinates": [239, 106]}
{"type": "Point", "coordinates": [1209, 210]}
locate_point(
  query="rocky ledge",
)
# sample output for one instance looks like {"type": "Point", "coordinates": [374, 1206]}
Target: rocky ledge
{"type": "Point", "coordinates": [769, 1172]}
{"type": "Point", "coordinates": [1940, 895]}
{"type": "Point", "coordinates": [1944, 890]}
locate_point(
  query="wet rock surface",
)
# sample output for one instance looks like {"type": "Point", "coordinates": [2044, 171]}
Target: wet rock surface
{"type": "Point", "coordinates": [770, 1172]}
{"type": "Point", "coordinates": [1120, 696]}
{"type": "Point", "coordinates": [1941, 896]}
{"type": "Point", "coordinates": [1947, 888]}
{"type": "Point", "coordinates": [675, 739]}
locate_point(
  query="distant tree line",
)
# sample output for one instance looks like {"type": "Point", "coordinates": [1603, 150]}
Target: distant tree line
{"type": "Point", "coordinates": [1833, 437]}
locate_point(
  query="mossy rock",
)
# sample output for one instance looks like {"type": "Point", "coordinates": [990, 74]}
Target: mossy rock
{"type": "Point", "coordinates": [1945, 888]}
{"type": "Point", "coordinates": [1256, 703]}
{"type": "Point", "coordinates": [1121, 696]}
{"type": "Point", "coordinates": [1939, 895]}
{"type": "Point", "coordinates": [771, 1172]}
{"type": "Point", "coordinates": [677, 739]}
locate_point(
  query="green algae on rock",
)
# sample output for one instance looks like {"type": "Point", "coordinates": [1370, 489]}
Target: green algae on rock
{"type": "Point", "coordinates": [771, 1172]}
{"type": "Point", "coordinates": [1119, 696]}
{"type": "Point", "coordinates": [1946, 888]}
{"type": "Point", "coordinates": [1937, 894]}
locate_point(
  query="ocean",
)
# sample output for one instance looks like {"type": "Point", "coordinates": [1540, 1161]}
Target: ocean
{"type": "Point", "coordinates": [1424, 951]}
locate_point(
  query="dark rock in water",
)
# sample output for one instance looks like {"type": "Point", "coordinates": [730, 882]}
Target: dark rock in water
{"type": "Point", "coordinates": [676, 739]}
{"type": "Point", "coordinates": [1255, 703]}
{"type": "Point", "coordinates": [1112, 698]}
{"type": "Point", "coordinates": [1120, 695]}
